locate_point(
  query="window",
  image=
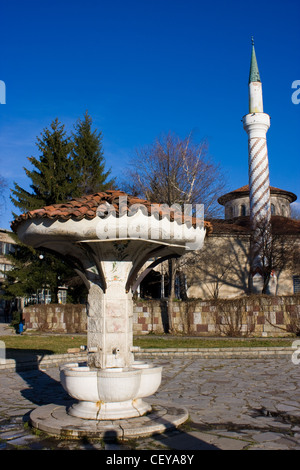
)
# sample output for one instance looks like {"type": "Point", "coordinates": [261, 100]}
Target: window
{"type": "Point", "coordinates": [272, 209]}
{"type": "Point", "coordinates": [62, 296]}
{"type": "Point", "coordinates": [6, 248]}
{"type": "Point", "coordinates": [243, 210]}
{"type": "Point", "coordinates": [4, 268]}
{"type": "Point", "coordinates": [296, 284]}
{"type": "Point", "coordinates": [44, 296]}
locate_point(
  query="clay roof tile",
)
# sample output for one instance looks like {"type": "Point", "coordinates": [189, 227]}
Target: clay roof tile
{"type": "Point", "coordinates": [86, 207]}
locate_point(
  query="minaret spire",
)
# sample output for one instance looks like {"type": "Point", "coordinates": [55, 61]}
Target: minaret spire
{"type": "Point", "coordinates": [255, 86]}
{"type": "Point", "coordinates": [254, 72]}
{"type": "Point", "coordinates": [257, 124]}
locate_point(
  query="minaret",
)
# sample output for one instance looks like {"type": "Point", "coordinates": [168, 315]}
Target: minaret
{"type": "Point", "coordinates": [256, 124]}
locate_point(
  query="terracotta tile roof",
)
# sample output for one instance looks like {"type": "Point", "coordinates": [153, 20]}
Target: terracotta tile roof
{"type": "Point", "coordinates": [86, 207]}
{"type": "Point", "coordinates": [285, 225]}
{"type": "Point", "coordinates": [241, 225]}
{"type": "Point", "coordinates": [246, 188]}
{"type": "Point", "coordinates": [244, 191]}
{"type": "Point", "coordinates": [231, 226]}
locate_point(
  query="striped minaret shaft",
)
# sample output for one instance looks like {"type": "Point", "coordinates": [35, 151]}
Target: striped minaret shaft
{"type": "Point", "coordinates": [256, 124]}
{"type": "Point", "coordinates": [260, 207]}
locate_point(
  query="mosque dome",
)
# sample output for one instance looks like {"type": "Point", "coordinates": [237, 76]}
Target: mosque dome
{"type": "Point", "coordinates": [237, 203]}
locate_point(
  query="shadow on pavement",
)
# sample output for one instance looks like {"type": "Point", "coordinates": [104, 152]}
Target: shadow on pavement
{"type": "Point", "coordinates": [42, 389]}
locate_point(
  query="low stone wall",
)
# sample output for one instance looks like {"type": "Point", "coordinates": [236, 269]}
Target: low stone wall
{"type": "Point", "coordinates": [68, 318]}
{"type": "Point", "coordinates": [247, 316]}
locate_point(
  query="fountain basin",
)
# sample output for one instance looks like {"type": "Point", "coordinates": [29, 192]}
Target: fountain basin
{"type": "Point", "coordinates": [112, 393]}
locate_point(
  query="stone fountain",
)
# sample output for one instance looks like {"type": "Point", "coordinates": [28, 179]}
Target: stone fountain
{"type": "Point", "coordinates": [107, 238]}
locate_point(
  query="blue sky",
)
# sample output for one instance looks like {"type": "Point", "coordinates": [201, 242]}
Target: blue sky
{"type": "Point", "coordinates": [143, 68]}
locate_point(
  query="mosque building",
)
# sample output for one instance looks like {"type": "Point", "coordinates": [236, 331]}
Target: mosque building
{"type": "Point", "coordinates": [257, 224]}
{"type": "Point", "coordinates": [256, 236]}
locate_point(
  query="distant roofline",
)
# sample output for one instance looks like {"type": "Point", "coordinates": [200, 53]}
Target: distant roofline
{"type": "Point", "coordinates": [243, 191]}
{"type": "Point", "coordinates": [238, 226]}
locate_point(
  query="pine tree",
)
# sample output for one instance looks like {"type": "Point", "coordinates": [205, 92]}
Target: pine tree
{"type": "Point", "coordinates": [87, 152]}
{"type": "Point", "coordinates": [53, 179]}
{"type": "Point", "coordinates": [67, 167]}
{"type": "Point", "coordinates": [34, 270]}
{"type": "Point", "coordinates": [31, 271]}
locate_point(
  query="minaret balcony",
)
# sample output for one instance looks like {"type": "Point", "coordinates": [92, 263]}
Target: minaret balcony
{"type": "Point", "coordinates": [257, 124]}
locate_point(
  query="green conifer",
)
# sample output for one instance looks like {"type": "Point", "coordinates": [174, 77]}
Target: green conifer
{"type": "Point", "coordinates": [87, 152]}
{"type": "Point", "coordinates": [67, 167]}
{"type": "Point", "coordinates": [53, 179]}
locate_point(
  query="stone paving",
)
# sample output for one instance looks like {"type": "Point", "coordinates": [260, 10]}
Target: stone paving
{"type": "Point", "coordinates": [234, 404]}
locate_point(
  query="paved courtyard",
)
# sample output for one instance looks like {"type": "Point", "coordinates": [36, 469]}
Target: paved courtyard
{"type": "Point", "coordinates": [234, 404]}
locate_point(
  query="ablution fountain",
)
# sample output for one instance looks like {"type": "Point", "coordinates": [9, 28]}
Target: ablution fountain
{"type": "Point", "coordinates": [108, 237]}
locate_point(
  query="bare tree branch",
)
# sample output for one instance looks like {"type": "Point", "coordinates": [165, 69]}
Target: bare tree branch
{"type": "Point", "coordinates": [176, 171]}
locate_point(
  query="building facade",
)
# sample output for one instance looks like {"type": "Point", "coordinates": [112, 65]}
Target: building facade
{"type": "Point", "coordinates": [7, 245]}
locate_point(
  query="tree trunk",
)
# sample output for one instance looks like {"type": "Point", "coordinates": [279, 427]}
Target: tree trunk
{"type": "Point", "coordinates": [172, 275]}
{"type": "Point", "coordinates": [182, 285]}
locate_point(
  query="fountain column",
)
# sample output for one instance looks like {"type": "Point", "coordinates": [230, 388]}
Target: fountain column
{"type": "Point", "coordinates": [110, 318]}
